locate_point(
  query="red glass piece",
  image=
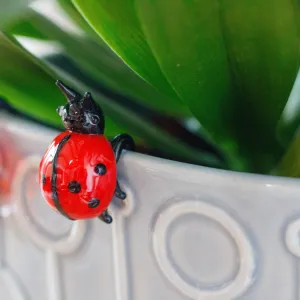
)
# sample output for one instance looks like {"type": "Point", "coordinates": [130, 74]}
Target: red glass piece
{"type": "Point", "coordinates": [78, 183]}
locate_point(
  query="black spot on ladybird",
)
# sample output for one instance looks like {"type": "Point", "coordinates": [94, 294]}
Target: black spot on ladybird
{"type": "Point", "coordinates": [100, 169]}
{"type": "Point", "coordinates": [74, 187]}
{"type": "Point", "coordinates": [93, 203]}
{"type": "Point", "coordinates": [44, 179]}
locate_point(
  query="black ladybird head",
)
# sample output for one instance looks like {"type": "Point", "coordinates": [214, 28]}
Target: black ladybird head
{"type": "Point", "coordinates": [80, 114]}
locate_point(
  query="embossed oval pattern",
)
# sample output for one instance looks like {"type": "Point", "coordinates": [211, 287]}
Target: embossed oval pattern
{"type": "Point", "coordinates": [222, 235]}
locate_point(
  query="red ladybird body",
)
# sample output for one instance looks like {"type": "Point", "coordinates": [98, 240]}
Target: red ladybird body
{"type": "Point", "coordinates": [78, 174]}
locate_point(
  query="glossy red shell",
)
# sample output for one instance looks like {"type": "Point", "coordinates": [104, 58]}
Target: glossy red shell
{"type": "Point", "coordinates": [76, 161]}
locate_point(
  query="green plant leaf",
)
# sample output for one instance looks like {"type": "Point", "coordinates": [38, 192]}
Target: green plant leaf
{"type": "Point", "coordinates": [290, 118]}
{"type": "Point", "coordinates": [289, 165]}
{"type": "Point", "coordinates": [101, 63]}
{"type": "Point", "coordinates": [11, 10]}
{"type": "Point", "coordinates": [116, 22]}
{"type": "Point", "coordinates": [30, 87]}
{"type": "Point", "coordinates": [233, 62]}
{"type": "Point", "coordinates": [288, 132]}
{"type": "Point", "coordinates": [24, 27]}
{"type": "Point", "coordinates": [77, 18]}
{"type": "Point", "coordinates": [27, 93]}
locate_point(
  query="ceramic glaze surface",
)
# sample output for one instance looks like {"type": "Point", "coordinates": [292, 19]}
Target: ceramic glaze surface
{"type": "Point", "coordinates": [184, 232]}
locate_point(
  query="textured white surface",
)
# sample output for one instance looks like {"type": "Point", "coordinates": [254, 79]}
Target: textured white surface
{"type": "Point", "coordinates": [185, 232]}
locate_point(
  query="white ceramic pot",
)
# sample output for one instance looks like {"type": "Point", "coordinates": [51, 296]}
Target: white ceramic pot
{"type": "Point", "coordinates": [185, 232]}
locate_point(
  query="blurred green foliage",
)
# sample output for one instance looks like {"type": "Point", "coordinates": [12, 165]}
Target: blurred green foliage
{"type": "Point", "coordinates": [157, 66]}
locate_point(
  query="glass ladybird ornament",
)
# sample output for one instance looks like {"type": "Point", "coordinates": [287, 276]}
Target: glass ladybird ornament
{"type": "Point", "coordinates": [78, 172]}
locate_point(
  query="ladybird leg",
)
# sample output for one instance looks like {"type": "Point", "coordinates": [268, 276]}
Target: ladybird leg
{"type": "Point", "coordinates": [119, 193]}
{"type": "Point", "coordinates": [119, 143]}
{"type": "Point", "coordinates": [106, 217]}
